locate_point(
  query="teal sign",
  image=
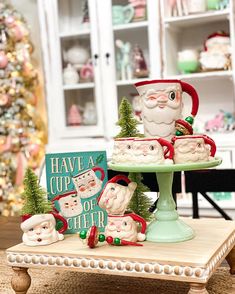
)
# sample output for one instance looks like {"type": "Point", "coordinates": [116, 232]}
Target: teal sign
{"type": "Point", "coordinates": [74, 182]}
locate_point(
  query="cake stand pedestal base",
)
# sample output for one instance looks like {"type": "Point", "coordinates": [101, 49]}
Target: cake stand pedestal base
{"type": "Point", "coordinates": [167, 227]}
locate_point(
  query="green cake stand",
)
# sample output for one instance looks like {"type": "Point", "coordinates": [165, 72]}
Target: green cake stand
{"type": "Point", "coordinates": [166, 227]}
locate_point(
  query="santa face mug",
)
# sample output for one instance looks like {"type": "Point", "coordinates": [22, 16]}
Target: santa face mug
{"type": "Point", "coordinates": [150, 151]}
{"type": "Point", "coordinates": [196, 148]}
{"type": "Point", "coordinates": [40, 229]}
{"type": "Point", "coordinates": [122, 150]}
{"type": "Point", "coordinates": [125, 227]}
{"type": "Point", "coordinates": [162, 105]}
{"type": "Point", "coordinates": [70, 204]}
{"type": "Point", "coordinates": [87, 183]}
{"type": "Point", "coordinates": [115, 197]}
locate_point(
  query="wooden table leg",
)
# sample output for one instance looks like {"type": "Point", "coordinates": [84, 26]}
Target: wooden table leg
{"type": "Point", "coordinates": [197, 289]}
{"type": "Point", "coordinates": [231, 261]}
{"type": "Point", "coordinates": [21, 280]}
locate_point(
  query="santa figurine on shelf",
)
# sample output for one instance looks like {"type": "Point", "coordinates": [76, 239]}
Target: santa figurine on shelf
{"type": "Point", "coordinates": [217, 53]}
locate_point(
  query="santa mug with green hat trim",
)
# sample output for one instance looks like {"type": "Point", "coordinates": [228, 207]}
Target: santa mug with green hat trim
{"type": "Point", "coordinates": [125, 227]}
{"type": "Point", "coordinates": [39, 229]}
{"type": "Point", "coordinates": [115, 197]}
{"type": "Point", "coordinates": [162, 106]}
{"type": "Point", "coordinates": [69, 203]}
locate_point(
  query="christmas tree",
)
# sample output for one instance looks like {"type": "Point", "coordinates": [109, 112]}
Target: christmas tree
{"type": "Point", "coordinates": [139, 203]}
{"type": "Point", "coordinates": [34, 196]}
{"type": "Point", "coordinates": [126, 121]}
{"type": "Point", "coordinates": [22, 135]}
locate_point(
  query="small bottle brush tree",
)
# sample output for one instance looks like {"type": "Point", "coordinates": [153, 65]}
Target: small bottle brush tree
{"type": "Point", "coordinates": [139, 203]}
{"type": "Point", "coordinates": [126, 121]}
{"type": "Point", "coordinates": [35, 197]}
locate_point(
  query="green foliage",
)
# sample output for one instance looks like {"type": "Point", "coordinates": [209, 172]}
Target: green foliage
{"type": "Point", "coordinates": [35, 197]}
{"type": "Point", "coordinates": [140, 203]}
{"type": "Point", "coordinates": [126, 121]}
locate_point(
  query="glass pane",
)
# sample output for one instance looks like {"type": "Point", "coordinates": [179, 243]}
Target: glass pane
{"type": "Point", "coordinates": [80, 107]}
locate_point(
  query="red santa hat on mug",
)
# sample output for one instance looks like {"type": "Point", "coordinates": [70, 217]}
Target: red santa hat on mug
{"type": "Point", "coordinates": [217, 38]}
{"type": "Point", "coordinates": [30, 221]}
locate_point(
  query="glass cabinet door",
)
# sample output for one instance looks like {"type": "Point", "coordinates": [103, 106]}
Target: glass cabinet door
{"type": "Point", "coordinates": [135, 51]}
{"type": "Point", "coordinates": [80, 99]}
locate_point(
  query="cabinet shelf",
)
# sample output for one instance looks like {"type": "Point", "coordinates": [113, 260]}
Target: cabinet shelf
{"type": "Point", "coordinates": [78, 86]}
{"type": "Point", "coordinates": [131, 26]}
{"type": "Point", "coordinates": [202, 75]}
{"type": "Point", "coordinates": [197, 19]}
{"type": "Point", "coordinates": [129, 82]}
{"type": "Point", "coordinates": [84, 32]}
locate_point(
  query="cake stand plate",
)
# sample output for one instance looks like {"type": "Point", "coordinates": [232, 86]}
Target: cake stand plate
{"type": "Point", "coordinates": [167, 227]}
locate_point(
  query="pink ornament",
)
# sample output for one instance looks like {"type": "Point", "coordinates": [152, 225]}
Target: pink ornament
{"type": "Point", "coordinates": [87, 72]}
{"type": "Point", "coordinates": [17, 33]}
{"type": "Point", "coordinates": [3, 60]}
{"type": "Point", "coordinates": [10, 21]}
{"type": "Point", "coordinates": [4, 99]}
{"type": "Point", "coordinates": [34, 149]}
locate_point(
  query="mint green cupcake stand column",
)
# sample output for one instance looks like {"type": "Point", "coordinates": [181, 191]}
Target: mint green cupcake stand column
{"type": "Point", "coordinates": [166, 227]}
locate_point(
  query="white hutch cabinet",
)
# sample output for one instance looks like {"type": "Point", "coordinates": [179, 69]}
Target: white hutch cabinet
{"type": "Point", "coordinates": [62, 26]}
{"type": "Point", "coordinates": [159, 35]}
{"type": "Point", "coordinates": [216, 89]}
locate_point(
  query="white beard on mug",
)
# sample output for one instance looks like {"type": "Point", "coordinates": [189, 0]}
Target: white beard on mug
{"type": "Point", "coordinates": [42, 234]}
{"type": "Point", "coordinates": [169, 113]}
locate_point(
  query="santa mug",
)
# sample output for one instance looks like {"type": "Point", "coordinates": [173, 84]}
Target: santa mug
{"type": "Point", "coordinates": [39, 229]}
{"type": "Point", "coordinates": [69, 203]}
{"type": "Point", "coordinates": [125, 227]}
{"type": "Point", "coordinates": [196, 148]}
{"type": "Point", "coordinates": [87, 184]}
{"type": "Point", "coordinates": [162, 105]}
{"type": "Point", "coordinates": [115, 197]}
{"type": "Point", "coordinates": [152, 151]}
{"type": "Point", "coordinates": [122, 150]}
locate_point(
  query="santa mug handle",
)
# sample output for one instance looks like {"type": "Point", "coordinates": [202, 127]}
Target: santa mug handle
{"type": "Point", "coordinates": [187, 88]}
{"type": "Point", "coordinates": [65, 224]}
{"type": "Point", "coordinates": [169, 148]}
{"type": "Point", "coordinates": [97, 168]}
{"type": "Point", "coordinates": [210, 142]}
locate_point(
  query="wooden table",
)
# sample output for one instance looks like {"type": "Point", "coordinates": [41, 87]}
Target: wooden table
{"type": "Point", "coordinates": [192, 261]}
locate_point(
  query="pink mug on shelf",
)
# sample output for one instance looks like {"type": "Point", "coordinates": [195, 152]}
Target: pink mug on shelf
{"type": "Point", "coordinates": [152, 151]}
{"type": "Point", "coordinates": [162, 106]}
{"type": "Point", "coordinates": [87, 184]}
{"type": "Point", "coordinates": [195, 148]}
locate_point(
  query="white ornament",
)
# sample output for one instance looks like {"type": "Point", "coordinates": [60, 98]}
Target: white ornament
{"type": "Point", "coordinates": [70, 75]}
{"type": "Point", "coordinates": [76, 55]}
{"type": "Point", "coordinates": [89, 114]}
{"type": "Point", "coordinates": [39, 230]}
